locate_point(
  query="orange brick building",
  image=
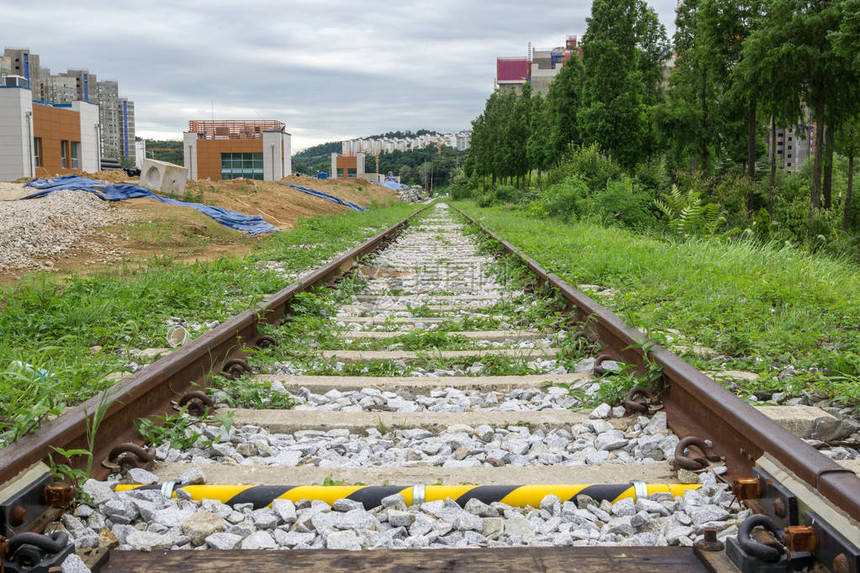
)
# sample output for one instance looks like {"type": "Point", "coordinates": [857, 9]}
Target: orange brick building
{"type": "Point", "coordinates": [227, 149]}
{"type": "Point", "coordinates": [44, 140]}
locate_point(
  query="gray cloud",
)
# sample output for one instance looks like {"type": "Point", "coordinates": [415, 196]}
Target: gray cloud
{"type": "Point", "coordinates": [329, 69]}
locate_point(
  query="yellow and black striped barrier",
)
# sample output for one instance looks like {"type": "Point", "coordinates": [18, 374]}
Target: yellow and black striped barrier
{"type": "Point", "coordinates": [371, 496]}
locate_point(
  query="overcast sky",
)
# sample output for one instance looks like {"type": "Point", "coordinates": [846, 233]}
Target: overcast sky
{"type": "Point", "coordinates": [329, 69]}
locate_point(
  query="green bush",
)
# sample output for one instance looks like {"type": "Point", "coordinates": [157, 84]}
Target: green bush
{"type": "Point", "coordinates": [500, 195]}
{"type": "Point", "coordinates": [590, 166]}
{"type": "Point", "coordinates": [731, 192]}
{"type": "Point", "coordinates": [561, 199]}
{"type": "Point", "coordinates": [623, 203]}
{"type": "Point", "coordinates": [461, 187]}
{"type": "Point", "coordinates": [651, 177]}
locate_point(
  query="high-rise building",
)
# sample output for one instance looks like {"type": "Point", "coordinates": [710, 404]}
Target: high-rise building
{"type": "Point", "coordinates": [86, 85]}
{"type": "Point", "coordinates": [127, 149]}
{"type": "Point", "coordinates": [5, 67]}
{"type": "Point", "coordinates": [56, 89]}
{"type": "Point", "coordinates": [23, 63]}
{"type": "Point", "coordinates": [116, 115]}
{"type": "Point", "coordinates": [109, 117]}
{"type": "Point", "coordinates": [794, 145]}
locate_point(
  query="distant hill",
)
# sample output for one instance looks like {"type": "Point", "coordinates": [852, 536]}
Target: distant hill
{"type": "Point", "coordinates": [318, 158]}
{"type": "Point", "coordinates": [169, 150]}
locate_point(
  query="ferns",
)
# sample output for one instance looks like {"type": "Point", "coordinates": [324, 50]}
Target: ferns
{"type": "Point", "coordinates": [686, 214]}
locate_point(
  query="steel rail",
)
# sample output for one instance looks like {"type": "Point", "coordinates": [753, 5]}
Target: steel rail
{"type": "Point", "coordinates": [150, 391]}
{"type": "Point", "coordinates": [696, 405]}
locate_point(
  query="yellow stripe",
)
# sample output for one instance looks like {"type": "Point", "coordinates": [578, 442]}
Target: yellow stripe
{"type": "Point", "coordinates": [533, 494]}
{"type": "Point", "coordinates": [125, 487]}
{"type": "Point", "coordinates": [328, 494]}
{"type": "Point", "coordinates": [222, 493]}
{"type": "Point", "coordinates": [629, 492]}
{"type": "Point", "coordinates": [676, 489]}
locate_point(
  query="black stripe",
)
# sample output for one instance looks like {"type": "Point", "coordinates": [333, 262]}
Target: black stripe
{"type": "Point", "coordinates": [148, 487]}
{"type": "Point", "coordinates": [371, 496]}
{"type": "Point", "coordinates": [486, 493]}
{"type": "Point", "coordinates": [600, 492]}
{"type": "Point", "coordinates": [260, 495]}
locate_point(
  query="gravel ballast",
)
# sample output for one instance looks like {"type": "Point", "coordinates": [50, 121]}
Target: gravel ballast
{"type": "Point", "coordinates": [33, 231]}
{"type": "Point", "coordinates": [433, 257]}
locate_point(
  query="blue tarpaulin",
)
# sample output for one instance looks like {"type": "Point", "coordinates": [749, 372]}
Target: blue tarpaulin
{"type": "Point", "coordinates": [322, 195]}
{"type": "Point", "coordinates": [248, 224]}
{"type": "Point", "coordinates": [393, 184]}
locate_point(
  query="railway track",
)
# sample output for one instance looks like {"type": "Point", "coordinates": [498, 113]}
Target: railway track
{"type": "Point", "coordinates": [440, 399]}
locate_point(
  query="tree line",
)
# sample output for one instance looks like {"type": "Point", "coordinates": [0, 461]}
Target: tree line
{"type": "Point", "coordinates": [705, 103]}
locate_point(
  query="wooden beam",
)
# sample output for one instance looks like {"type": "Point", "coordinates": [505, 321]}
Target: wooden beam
{"type": "Point", "coordinates": [507, 559]}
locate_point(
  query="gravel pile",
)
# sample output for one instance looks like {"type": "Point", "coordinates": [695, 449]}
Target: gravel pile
{"type": "Point", "coordinates": [146, 521]}
{"type": "Point", "coordinates": [598, 441]}
{"type": "Point", "coordinates": [40, 228]}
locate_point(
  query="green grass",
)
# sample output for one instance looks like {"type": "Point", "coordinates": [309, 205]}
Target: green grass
{"type": "Point", "coordinates": [763, 306]}
{"type": "Point", "coordinates": [53, 327]}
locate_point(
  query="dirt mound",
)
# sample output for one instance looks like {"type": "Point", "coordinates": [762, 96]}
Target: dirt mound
{"type": "Point", "coordinates": [152, 229]}
{"type": "Point", "coordinates": [282, 205]}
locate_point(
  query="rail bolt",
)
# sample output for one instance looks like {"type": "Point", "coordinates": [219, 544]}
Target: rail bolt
{"type": "Point", "coordinates": [800, 538]}
{"type": "Point", "coordinates": [58, 495]}
{"type": "Point", "coordinates": [19, 516]}
{"type": "Point", "coordinates": [710, 542]}
{"type": "Point", "coordinates": [840, 564]}
{"type": "Point", "coordinates": [746, 488]}
{"type": "Point", "coordinates": [779, 507]}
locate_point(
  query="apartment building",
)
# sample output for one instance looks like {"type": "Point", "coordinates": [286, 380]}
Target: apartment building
{"type": "Point", "coordinates": [116, 114]}
{"type": "Point", "coordinates": [794, 145]}
{"type": "Point", "coordinates": [126, 146]}
{"type": "Point", "coordinates": [226, 149]}
{"type": "Point", "coordinates": [25, 64]}
{"type": "Point", "coordinates": [86, 85]}
{"type": "Point", "coordinates": [458, 140]}
{"type": "Point", "coordinates": [56, 89]}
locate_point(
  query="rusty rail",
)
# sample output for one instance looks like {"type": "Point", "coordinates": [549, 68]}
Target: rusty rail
{"type": "Point", "coordinates": [696, 405]}
{"type": "Point", "coordinates": [150, 391]}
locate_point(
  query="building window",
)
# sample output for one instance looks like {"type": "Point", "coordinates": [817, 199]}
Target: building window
{"type": "Point", "coordinates": [76, 154]}
{"type": "Point", "coordinates": [247, 165]}
{"type": "Point", "coordinates": [64, 156]}
{"type": "Point", "coordinates": [37, 150]}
